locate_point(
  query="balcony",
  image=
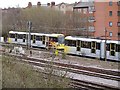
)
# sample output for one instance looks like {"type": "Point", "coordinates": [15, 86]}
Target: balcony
{"type": "Point", "coordinates": [91, 19]}
{"type": "Point", "coordinates": [91, 29]}
{"type": "Point", "coordinates": [91, 9]}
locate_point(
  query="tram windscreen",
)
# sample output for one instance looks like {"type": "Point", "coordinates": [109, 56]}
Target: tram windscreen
{"type": "Point", "coordinates": [61, 39]}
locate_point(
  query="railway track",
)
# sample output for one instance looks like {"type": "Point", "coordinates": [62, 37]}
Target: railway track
{"type": "Point", "coordinates": [78, 71]}
{"type": "Point", "coordinates": [112, 75]}
{"type": "Point", "coordinates": [85, 85]}
{"type": "Point", "coordinates": [106, 74]}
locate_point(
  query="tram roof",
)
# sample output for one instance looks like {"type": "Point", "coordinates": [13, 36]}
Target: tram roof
{"type": "Point", "coordinates": [112, 41]}
{"type": "Point", "coordinates": [55, 35]}
{"type": "Point", "coordinates": [18, 32]}
{"type": "Point", "coordinates": [80, 38]}
{"type": "Point", "coordinates": [90, 39]}
{"type": "Point", "coordinates": [39, 34]}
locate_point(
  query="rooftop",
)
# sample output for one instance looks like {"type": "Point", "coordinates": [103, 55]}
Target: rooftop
{"type": "Point", "coordinates": [84, 5]}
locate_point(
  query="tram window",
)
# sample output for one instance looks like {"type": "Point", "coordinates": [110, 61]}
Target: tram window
{"type": "Point", "coordinates": [78, 43]}
{"type": "Point", "coordinates": [112, 46]}
{"type": "Point", "coordinates": [82, 44]}
{"type": "Point", "coordinates": [78, 48]}
{"type": "Point", "coordinates": [73, 43]}
{"type": "Point", "coordinates": [117, 48]}
{"type": "Point", "coordinates": [61, 39]}
{"type": "Point", "coordinates": [108, 47]}
{"type": "Point", "coordinates": [55, 39]}
{"type": "Point", "coordinates": [43, 38]}
{"type": "Point", "coordinates": [12, 35]}
{"type": "Point", "coordinates": [112, 53]}
{"type": "Point", "coordinates": [93, 44]}
{"type": "Point", "coordinates": [70, 43]}
{"type": "Point", "coordinates": [98, 46]}
{"type": "Point", "coordinates": [31, 37]}
{"type": "Point", "coordinates": [34, 37]}
{"type": "Point", "coordinates": [24, 35]}
{"type": "Point", "coordinates": [38, 38]}
{"type": "Point", "coordinates": [89, 44]}
{"type": "Point", "coordinates": [86, 44]}
{"type": "Point", "coordinates": [66, 42]}
{"type": "Point", "coordinates": [16, 36]}
{"type": "Point", "coordinates": [20, 36]}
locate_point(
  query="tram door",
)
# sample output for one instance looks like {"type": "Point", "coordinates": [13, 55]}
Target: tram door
{"type": "Point", "coordinates": [93, 47]}
{"type": "Point", "coordinates": [16, 36]}
{"type": "Point", "coordinates": [34, 38]}
{"type": "Point", "coordinates": [112, 49]}
{"type": "Point", "coordinates": [43, 40]}
{"type": "Point", "coordinates": [78, 45]}
{"type": "Point", "coordinates": [24, 37]}
{"type": "Point", "coordinates": [47, 41]}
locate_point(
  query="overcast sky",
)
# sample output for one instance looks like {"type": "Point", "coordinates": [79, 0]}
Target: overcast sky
{"type": "Point", "coordinates": [24, 3]}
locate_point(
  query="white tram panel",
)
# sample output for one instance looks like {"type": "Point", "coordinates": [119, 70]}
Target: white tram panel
{"type": "Point", "coordinates": [44, 42]}
{"type": "Point", "coordinates": [38, 43]}
{"type": "Point", "coordinates": [71, 49]}
{"type": "Point", "coordinates": [116, 56]}
{"type": "Point", "coordinates": [83, 51]}
{"type": "Point", "coordinates": [17, 41]}
{"type": "Point", "coordinates": [1, 39]}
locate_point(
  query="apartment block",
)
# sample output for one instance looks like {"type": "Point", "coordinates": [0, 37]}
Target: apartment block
{"type": "Point", "coordinates": [103, 18]}
{"type": "Point", "coordinates": [107, 17]}
{"type": "Point", "coordinates": [86, 18]}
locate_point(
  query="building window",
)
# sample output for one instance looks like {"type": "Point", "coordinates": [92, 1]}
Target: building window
{"type": "Point", "coordinates": [79, 10]}
{"type": "Point", "coordinates": [85, 10]}
{"type": "Point", "coordinates": [118, 34]}
{"type": "Point", "coordinates": [110, 13]}
{"type": "Point", "coordinates": [110, 34]}
{"type": "Point", "coordinates": [110, 3]}
{"type": "Point", "coordinates": [118, 24]}
{"type": "Point", "coordinates": [118, 13]}
{"type": "Point", "coordinates": [110, 24]}
{"type": "Point", "coordinates": [118, 3]}
{"type": "Point", "coordinates": [62, 6]}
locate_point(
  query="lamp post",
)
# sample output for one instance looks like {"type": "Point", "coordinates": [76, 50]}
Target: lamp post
{"type": "Point", "coordinates": [29, 23]}
{"type": "Point", "coordinates": [105, 43]}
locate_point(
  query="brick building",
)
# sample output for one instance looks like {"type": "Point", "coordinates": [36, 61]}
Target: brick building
{"type": "Point", "coordinates": [103, 18]}
{"type": "Point", "coordinates": [107, 16]}
{"type": "Point", "coordinates": [86, 20]}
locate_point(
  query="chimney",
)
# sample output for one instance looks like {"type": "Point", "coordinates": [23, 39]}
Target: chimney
{"type": "Point", "coordinates": [52, 4]}
{"type": "Point", "coordinates": [29, 5]}
{"type": "Point", "coordinates": [38, 4]}
{"type": "Point", "coordinates": [76, 3]}
{"type": "Point", "coordinates": [48, 4]}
